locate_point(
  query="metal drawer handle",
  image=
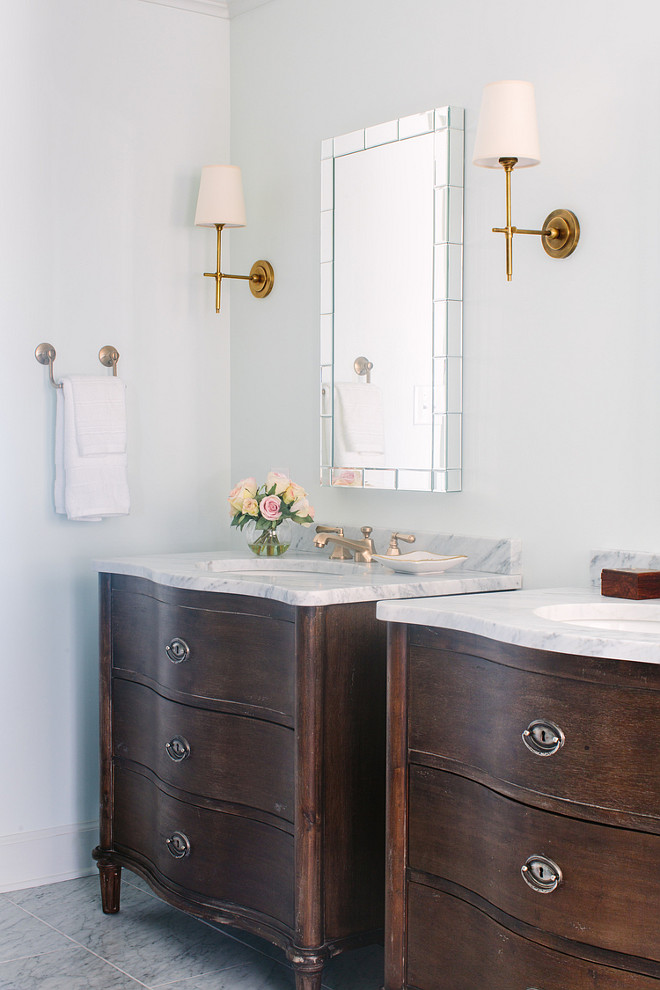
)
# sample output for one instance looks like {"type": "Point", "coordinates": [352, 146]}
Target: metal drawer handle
{"type": "Point", "coordinates": [541, 874]}
{"type": "Point", "coordinates": [542, 737]}
{"type": "Point", "coordinates": [178, 749]}
{"type": "Point", "coordinates": [178, 845]}
{"type": "Point", "coordinates": [178, 650]}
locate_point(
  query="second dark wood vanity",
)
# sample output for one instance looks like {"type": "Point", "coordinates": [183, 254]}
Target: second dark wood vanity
{"type": "Point", "coordinates": [523, 817]}
{"type": "Point", "coordinates": [243, 762]}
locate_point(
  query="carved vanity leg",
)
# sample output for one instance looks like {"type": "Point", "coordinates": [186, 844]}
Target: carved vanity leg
{"type": "Point", "coordinates": [110, 879]}
{"type": "Point", "coordinates": [308, 967]}
{"type": "Point", "coordinates": [308, 981]}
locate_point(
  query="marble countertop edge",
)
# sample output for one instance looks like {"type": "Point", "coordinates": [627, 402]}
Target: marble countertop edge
{"type": "Point", "coordinates": [511, 619]}
{"type": "Point", "coordinates": [343, 584]}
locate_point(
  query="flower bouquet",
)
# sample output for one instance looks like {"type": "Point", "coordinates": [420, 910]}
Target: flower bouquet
{"type": "Point", "coordinates": [268, 511]}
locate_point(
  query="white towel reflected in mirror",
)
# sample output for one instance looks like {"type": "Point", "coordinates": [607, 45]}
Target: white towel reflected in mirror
{"type": "Point", "coordinates": [359, 426]}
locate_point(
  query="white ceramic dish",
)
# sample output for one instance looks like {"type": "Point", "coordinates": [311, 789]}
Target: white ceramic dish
{"type": "Point", "coordinates": [418, 562]}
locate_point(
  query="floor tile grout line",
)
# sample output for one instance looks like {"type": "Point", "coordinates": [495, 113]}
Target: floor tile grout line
{"type": "Point", "coordinates": [79, 945]}
{"type": "Point", "coordinates": [237, 938]}
{"type": "Point", "coordinates": [251, 948]}
{"type": "Point", "coordinates": [227, 969]}
{"type": "Point", "coordinates": [213, 926]}
{"type": "Point", "coordinates": [30, 955]}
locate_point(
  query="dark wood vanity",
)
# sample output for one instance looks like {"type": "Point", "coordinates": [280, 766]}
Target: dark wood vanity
{"type": "Point", "coordinates": [523, 817]}
{"type": "Point", "coordinates": [243, 762]}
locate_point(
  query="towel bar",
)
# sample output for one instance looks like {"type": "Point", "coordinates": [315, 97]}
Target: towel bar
{"type": "Point", "coordinates": [46, 354]}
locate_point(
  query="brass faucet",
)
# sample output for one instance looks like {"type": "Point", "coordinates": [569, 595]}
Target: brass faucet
{"type": "Point", "coordinates": [363, 549]}
{"type": "Point", "coordinates": [340, 552]}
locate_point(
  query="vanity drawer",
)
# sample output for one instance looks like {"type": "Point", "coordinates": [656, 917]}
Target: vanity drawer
{"type": "Point", "coordinates": [246, 660]}
{"type": "Point", "coordinates": [230, 858]}
{"type": "Point", "coordinates": [218, 755]}
{"type": "Point", "coordinates": [473, 712]}
{"type": "Point", "coordinates": [477, 838]}
{"type": "Point", "coordinates": [454, 945]}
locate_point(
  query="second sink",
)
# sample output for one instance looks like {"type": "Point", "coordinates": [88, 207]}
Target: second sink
{"type": "Point", "coordinates": [620, 616]}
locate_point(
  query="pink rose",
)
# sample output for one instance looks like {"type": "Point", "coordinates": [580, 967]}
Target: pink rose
{"type": "Point", "coordinates": [270, 507]}
{"type": "Point", "coordinates": [249, 484]}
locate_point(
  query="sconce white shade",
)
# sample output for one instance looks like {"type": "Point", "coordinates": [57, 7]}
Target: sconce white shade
{"type": "Point", "coordinates": [507, 125]}
{"type": "Point", "coordinates": [220, 197]}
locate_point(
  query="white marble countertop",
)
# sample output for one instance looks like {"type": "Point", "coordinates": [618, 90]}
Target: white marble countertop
{"type": "Point", "coordinates": [512, 618]}
{"type": "Point", "coordinates": [300, 578]}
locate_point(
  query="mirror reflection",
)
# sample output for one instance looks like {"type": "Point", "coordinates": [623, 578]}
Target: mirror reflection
{"type": "Point", "coordinates": [391, 290]}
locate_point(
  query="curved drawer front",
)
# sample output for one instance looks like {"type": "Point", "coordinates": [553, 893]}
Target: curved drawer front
{"type": "Point", "coordinates": [204, 752]}
{"type": "Point", "coordinates": [479, 839]}
{"type": "Point", "coordinates": [475, 712]}
{"type": "Point", "coordinates": [244, 659]}
{"type": "Point", "coordinates": [452, 944]}
{"type": "Point", "coordinates": [226, 857]}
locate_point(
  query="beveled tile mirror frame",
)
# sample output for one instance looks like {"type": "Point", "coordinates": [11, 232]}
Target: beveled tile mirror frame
{"type": "Point", "coordinates": [437, 404]}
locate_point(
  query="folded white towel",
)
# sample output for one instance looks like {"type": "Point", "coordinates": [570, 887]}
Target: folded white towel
{"type": "Point", "coordinates": [100, 414]}
{"type": "Point", "coordinates": [92, 486]}
{"type": "Point", "coordinates": [359, 425]}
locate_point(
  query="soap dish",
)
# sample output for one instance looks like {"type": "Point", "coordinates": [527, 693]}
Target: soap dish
{"type": "Point", "coordinates": [418, 562]}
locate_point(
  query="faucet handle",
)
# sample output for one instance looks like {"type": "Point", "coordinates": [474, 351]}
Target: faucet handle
{"type": "Point", "coordinates": [393, 549]}
{"type": "Point", "coordinates": [339, 530]}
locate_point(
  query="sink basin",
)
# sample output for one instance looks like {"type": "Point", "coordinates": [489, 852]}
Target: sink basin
{"type": "Point", "coordinates": [619, 616]}
{"type": "Point", "coordinates": [256, 566]}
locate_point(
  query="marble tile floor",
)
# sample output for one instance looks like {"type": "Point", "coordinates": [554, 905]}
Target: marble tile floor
{"type": "Point", "coordinates": [57, 938]}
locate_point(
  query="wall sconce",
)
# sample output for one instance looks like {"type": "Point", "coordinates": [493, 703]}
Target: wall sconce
{"type": "Point", "coordinates": [220, 204]}
{"type": "Point", "coordinates": [507, 136]}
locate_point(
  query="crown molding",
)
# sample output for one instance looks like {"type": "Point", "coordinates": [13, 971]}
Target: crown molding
{"type": "Point", "coordinates": [214, 8]}
{"type": "Point", "coordinates": [237, 7]}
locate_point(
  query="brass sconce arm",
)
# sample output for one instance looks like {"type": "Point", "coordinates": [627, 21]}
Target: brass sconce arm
{"type": "Point", "coordinates": [261, 277]}
{"type": "Point", "coordinates": [559, 235]}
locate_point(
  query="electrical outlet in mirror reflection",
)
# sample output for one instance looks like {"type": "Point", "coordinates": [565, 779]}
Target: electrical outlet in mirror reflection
{"type": "Point", "coordinates": [423, 405]}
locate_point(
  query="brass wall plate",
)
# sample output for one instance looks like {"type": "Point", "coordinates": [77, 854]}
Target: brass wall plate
{"type": "Point", "coordinates": [45, 353]}
{"type": "Point", "coordinates": [108, 356]}
{"type": "Point", "coordinates": [262, 285]}
{"type": "Point", "coordinates": [568, 233]}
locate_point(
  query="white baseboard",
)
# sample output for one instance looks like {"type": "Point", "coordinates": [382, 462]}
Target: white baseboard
{"type": "Point", "coordinates": [31, 859]}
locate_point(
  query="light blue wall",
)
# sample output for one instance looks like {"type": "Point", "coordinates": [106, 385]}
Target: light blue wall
{"type": "Point", "coordinates": [561, 396]}
{"type": "Point", "coordinates": [108, 110]}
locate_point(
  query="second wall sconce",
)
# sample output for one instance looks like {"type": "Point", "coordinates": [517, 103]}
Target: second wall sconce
{"type": "Point", "coordinates": [220, 204]}
{"type": "Point", "coordinates": [507, 136]}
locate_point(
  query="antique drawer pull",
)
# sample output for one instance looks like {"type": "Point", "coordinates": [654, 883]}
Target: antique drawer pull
{"type": "Point", "coordinates": [541, 874]}
{"type": "Point", "coordinates": [542, 737]}
{"type": "Point", "coordinates": [178, 845]}
{"type": "Point", "coordinates": [178, 650]}
{"type": "Point", "coordinates": [178, 749]}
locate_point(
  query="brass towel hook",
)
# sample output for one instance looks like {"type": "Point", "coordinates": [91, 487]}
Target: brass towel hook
{"type": "Point", "coordinates": [46, 354]}
{"type": "Point", "coordinates": [108, 356]}
{"type": "Point", "coordinates": [362, 366]}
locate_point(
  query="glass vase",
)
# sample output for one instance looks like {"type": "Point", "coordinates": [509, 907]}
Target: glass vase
{"type": "Point", "coordinates": [271, 542]}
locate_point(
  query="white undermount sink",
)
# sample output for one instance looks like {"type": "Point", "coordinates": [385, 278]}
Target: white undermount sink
{"type": "Point", "coordinates": [619, 616]}
{"type": "Point", "coordinates": [283, 565]}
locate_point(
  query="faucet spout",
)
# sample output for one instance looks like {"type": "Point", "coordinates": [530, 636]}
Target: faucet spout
{"type": "Point", "coordinates": [363, 549]}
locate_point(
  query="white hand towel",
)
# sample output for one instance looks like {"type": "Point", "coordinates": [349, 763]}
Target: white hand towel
{"type": "Point", "coordinates": [100, 414]}
{"type": "Point", "coordinates": [88, 487]}
{"type": "Point", "coordinates": [359, 425]}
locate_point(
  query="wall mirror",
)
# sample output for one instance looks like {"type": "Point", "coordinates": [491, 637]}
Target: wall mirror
{"type": "Point", "coordinates": [391, 304]}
